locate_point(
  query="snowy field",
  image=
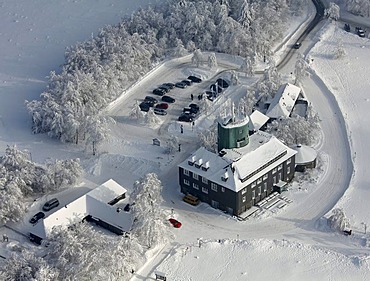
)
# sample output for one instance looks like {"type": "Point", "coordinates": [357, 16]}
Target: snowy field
{"type": "Point", "coordinates": [291, 246]}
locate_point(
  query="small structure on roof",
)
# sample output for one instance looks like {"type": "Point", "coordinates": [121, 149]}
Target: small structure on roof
{"type": "Point", "coordinates": [305, 157]}
{"type": "Point", "coordinates": [98, 205]}
{"type": "Point", "coordinates": [284, 100]}
{"type": "Point", "coordinates": [257, 121]}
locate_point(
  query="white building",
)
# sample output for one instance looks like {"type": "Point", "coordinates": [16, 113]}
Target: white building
{"type": "Point", "coordinates": [98, 206]}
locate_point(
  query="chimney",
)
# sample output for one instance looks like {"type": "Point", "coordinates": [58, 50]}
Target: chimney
{"type": "Point", "coordinates": [205, 167]}
{"type": "Point", "coordinates": [199, 164]}
{"type": "Point", "coordinates": [191, 161]}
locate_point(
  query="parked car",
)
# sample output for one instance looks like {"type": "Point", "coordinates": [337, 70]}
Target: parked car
{"type": "Point", "coordinates": [145, 106]}
{"type": "Point", "coordinates": [186, 118]}
{"type": "Point", "coordinates": [347, 27]}
{"type": "Point", "coordinates": [152, 99]}
{"type": "Point", "coordinates": [175, 223]}
{"type": "Point", "coordinates": [215, 88]}
{"type": "Point", "coordinates": [194, 79]}
{"type": "Point", "coordinates": [222, 83]}
{"type": "Point", "coordinates": [297, 45]}
{"type": "Point", "coordinates": [190, 110]}
{"type": "Point", "coordinates": [162, 105]}
{"type": "Point", "coordinates": [168, 99]}
{"type": "Point", "coordinates": [159, 92]}
{"type": "Point", "coordinates": [127, 208]}
{"type": "Point", "coordinates": [187, 82]}
{"type": "Point", "coordinates": [181, 85]}
{"type": "Point", "coordinates": [195, 107]}
{"type": "Point", "coordinates": [160, 111]}
{"type": "Point", "coordinates": [169, 85]}
{"type": "Point", "coordinates": [361, 32]}
{"type": "Point", "coordinates": [164, 88]}
{"type": "Point", "coordinates": [37, 217]}
{"type": "Point", "coordinates": [192, 200]}
{"type": "Point", "coordinates": [211, 95]}
{"type": "Point", "coordinates": [51, 204]}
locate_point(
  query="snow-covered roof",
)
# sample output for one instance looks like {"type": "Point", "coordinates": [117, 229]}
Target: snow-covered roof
{"type": "Point", "coordinates": [305, 154]}
{"type": "Point", "coordinates": [231, 121]}
{"type": "Point", "coordinates": [283, 102]}
{"type": "Point", "coordinates": [94, 203]}
{"type": "Point", "coordinates": [240, 163]}
{"type": "Point", "coordinates": [256, 120]}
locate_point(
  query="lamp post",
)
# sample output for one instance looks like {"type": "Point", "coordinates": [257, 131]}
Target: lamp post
{"type": "Point", "coordinates": [365, 226]}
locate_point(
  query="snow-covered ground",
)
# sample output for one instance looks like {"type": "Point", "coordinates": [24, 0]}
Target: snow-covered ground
{"type": "Point", "coordinates": [283, 245]}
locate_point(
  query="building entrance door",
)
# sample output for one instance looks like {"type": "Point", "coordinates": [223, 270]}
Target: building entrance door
{"type": "Point", "coordinates": [215, 204]}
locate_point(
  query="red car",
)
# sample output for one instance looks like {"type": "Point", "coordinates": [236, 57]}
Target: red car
{"type": "Point", "coordinates": [162, 105]}
{"type": "Point", "coordinates": [175, 223]}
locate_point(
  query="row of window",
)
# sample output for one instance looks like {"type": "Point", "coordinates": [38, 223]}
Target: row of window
{"type": "Point", "coordinates": [214, 186]}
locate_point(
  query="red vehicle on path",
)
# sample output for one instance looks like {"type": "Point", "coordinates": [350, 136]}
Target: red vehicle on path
{"type": "Point", "coordinates": [175, 223]}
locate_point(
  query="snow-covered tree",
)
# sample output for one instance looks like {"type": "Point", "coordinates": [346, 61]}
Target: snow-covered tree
{"type": "Point", "coordinates": [136, 113]}
{"type": "Point", "coordinates": [247, 67]}
{"type": "Point", "coordinates": [173, 144]}
{"type": "Point", "coordinates": [25, 266]}
{"type": "Point", "coordinates": [340, 52]}
{"type": "Point", "coordinates": [338, 220]}
{"type": "Point", "coordinates": [150, 226]}
{"type": "Point", "coordinates": [296, 129]}
{"type": "Point", "coordinates": [212, 60]}
{"type": "Point", "coordinates": [302, 68]}
{"type": "Point", "coordinates": [247, 103]}
{"type": "Point", "coordinates": [234, 78]}
{"type": "Point", "coordinates": [333, 12]}
{"type": "Point", "coordinates": [151, 119]}
{"type": "Point", "coordinates": [62, 173]}
{"type": "Point", "coordinates": [208, 138]}
{"type": "Point", "coordinates": [97, 130]}
{"type": "Point", "coordinates": [358, 7]}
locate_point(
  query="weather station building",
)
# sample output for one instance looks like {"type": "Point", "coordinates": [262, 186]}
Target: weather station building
{"type": "Point", "coordinates": [245, 170]}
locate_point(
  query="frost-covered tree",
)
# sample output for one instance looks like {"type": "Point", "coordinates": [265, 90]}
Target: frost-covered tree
{"type": "Point", "coordinates": [21, 178]}
{"type": "Point", "coordinates": [25, 266]}
{"type": "Point", "coordinates": [97, 130]}
{"type": "Point", "coordinates": [208, 138]}
{"type": "Point", "coordinates": [296, 129]}
{"type": "Point", "coordinates": [136, 113]}
{"type": "Point", "coordinates": [151, 119]}
{"type": "Point", "coordinates": [234, 78]}
{"type": "Point", "coordinates": [173, 144]}
{"type": "Point", "coordinates": [333, 12]}
{"type": "Point", "coordinates": [247, 67]}
{"type": "Point", "coordinates": [340, 52]}
{"type": "Point", "coordinates": [338, 220]}
{"type": "Point", "coordinates": [247, 103]}
{"type": "Point", "coordinates": [197, 57]}
{"type": "Point", "coordinates": [358, 7]}
{"type": "Point", "coordinates": [302, 68]}
{"type": "Point", "coordinates": [150, 226]}
{"type": "Point", "coordinates": [212, 60]}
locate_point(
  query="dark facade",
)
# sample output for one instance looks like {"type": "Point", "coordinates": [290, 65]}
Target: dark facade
{"type": "Point", "coordinates": [225, 199]}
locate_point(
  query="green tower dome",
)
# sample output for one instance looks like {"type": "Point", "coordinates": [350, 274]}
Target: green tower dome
{"type": "Point", "coordinates": [233, 132]}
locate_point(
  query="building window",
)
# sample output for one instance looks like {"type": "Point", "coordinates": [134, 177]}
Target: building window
{"type": "Point", "coordinates": [253, 194]}
{"type": "Point", "coordinates": [214, 186]}
{"type": "Point", "coordinates": [223, 189]}
{"type": "Point", "coordinates": [244, 199]}
{"type": "Point", "coordinates": [259, 180]}
{"type": "Point", "coordinates": [274, 170]}
{"type": "Point", "coordinates": [204, 180]}
{"type": "Point", "coordinates": [244, 190]}
{"type": "Point", "coordinates": [186, 182]}
{"type": "Point", "coordinates": [289, 161]}
{"type": "Point", "coordinates": [205, 190]}
{"type": "Point", "coordinates": [288, 170]}
{"type": "Point", "coordinates": [265, 187]}
{"type": "Point", "coordinates": [186, 172]}
{"type": "Point", "coordinates": [259, 190]}
{"type": "Point", "coordinates": [195, 176]}
{"type": "Point", "coordinates": [280, 167]}
{"type": "Point", "coordinates": [253, 184]}
{"type": "Point", "coordinates": [265, 177]}
{"type": "Point", "coordinates": [241, 131]}
{"type": "Point", "coordinates": [274, 180]}
{"type": "Point", "coordinates": [195, 186]}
